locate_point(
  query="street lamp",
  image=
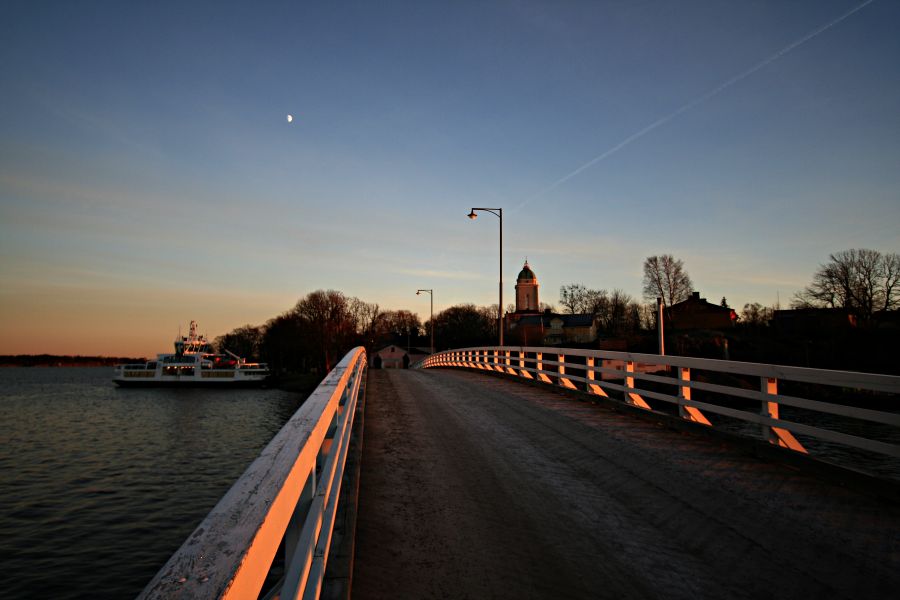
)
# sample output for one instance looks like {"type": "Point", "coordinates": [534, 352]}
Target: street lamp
{"type": "Point", "coordinates": [430, 293]}
{"type": "Point", "coordinates": [497, 212]}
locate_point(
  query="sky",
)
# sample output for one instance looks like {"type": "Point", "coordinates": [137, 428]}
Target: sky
{"type": "Point", "coordinates": [149, 175]}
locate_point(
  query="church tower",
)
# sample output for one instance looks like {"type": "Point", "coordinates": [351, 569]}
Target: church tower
{"type": "Point", "coordinates": [527, 291]}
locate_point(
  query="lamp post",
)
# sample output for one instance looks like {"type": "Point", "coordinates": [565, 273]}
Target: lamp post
{"type": "Point", "coordinates": [659, 324]}
{"type": "Point", "coordinates": [497, 212]}
{"type": "Point", "coordinates": [430, 293]}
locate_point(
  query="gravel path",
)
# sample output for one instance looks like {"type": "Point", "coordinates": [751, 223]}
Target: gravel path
{"type": "Point", "coordinates": [478, 487]}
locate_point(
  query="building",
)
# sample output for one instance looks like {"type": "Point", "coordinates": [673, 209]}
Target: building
{"type": "Point", "coordinates": [551, 329]}
{"type": "Point", "coordinates": [529, 326]}
{"type": "Point", "coordinates": [395, 357]}
{"type": "Point", "coordinates": [697, 313]}
{"type": "Point", "coordinates": [806, 321]}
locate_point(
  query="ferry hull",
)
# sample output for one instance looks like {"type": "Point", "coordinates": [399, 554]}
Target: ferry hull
{"type": "Point", "coordinates": [191, 383]}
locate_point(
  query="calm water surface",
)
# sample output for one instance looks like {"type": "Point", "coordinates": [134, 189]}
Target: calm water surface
{"type": "Point", "coordinates": [100, 485]}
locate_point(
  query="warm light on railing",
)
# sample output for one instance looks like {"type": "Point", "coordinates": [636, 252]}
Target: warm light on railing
{"type": "Point", "coordinates": [288, 496]}
{"type": "Point", "coordinates": [640, 380]}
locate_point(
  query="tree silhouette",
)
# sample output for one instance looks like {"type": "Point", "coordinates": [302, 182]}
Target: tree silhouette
{"type": "Point", "coordinates": [665, 277]}
{"type": "Point", "coordinates": [861, 281]}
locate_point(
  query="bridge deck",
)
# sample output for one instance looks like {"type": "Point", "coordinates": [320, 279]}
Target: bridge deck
{"type": "Point", "coordinates": [479, 487]}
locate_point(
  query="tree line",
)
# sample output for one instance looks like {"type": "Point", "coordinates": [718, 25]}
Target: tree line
{"type": "Point", "coordinates": [862, 282]}
{"type": "Point", "coordinates": [325, 324]}
{"type": "Point", "coordinates": [316, 333]}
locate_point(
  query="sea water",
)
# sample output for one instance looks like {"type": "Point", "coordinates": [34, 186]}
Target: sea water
{"type": "Point", "coordinates": [99, 485]}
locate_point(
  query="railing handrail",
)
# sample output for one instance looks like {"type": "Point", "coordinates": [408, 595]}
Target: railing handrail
{"type": "Point", "coordinates": [553, 366]}
{"type": "Point", "coordinates": [279, 498]}
{"type": "Point", "coordinates": [872, 381]}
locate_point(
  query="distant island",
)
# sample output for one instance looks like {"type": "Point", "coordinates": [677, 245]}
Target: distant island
{"type": "Point", "coordinates": [54, 360]}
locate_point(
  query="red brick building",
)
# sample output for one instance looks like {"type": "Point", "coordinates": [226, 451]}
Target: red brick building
{"type": "Point", "coordinates": [697, 313]}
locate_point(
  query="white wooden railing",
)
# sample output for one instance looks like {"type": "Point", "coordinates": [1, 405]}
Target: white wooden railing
{"type": "Point", "coordinates": [288, 494]}
{"type": "Point", "coordinates": [637, 378]}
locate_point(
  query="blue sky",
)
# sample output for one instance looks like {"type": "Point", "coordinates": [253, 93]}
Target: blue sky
{"type": "Point", "coordinates": [149, 176]}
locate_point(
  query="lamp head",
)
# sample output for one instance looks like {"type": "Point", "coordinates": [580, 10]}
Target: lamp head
{"type": "Point", "coordinates": [418, 292]}
{"type": "Point", "coordinates": [472, 214]}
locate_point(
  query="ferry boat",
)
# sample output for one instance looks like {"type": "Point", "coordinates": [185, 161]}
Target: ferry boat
{"type": "Point", "coordinates": [194, 363]}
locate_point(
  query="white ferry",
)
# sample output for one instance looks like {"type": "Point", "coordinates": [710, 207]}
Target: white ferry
{"type": "Point", "coordinates": [194, 363]}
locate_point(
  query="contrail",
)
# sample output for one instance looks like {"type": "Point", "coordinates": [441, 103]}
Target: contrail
{"type": "Point", "coordinates": [698, 100]}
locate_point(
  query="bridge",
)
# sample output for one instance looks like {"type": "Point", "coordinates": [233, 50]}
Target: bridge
{"type": "Point", "coordinates": [538, 472]}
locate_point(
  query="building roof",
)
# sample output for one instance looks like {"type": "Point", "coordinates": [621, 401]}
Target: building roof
{"type": "Point", "coordinates": [526, 274]}
{"type": "Point", "coordinates": [584, 320]}
{"type": "Point", "coordinates": [401, 348]}
{"type": "Point", "coordinates": [694, 300]}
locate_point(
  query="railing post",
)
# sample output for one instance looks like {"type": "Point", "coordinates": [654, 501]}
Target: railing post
{"type": "Point", "coordinates": [591, 376]}
{"type": "Point", "coordinates": [631, 396]}
{"type": "Point", "coordinates": [684, 393]}
{"type": "Point", "coordinates": [292, 533]}
{"type": "Point", "coordinates": [769, 386]}
{"type": "Point", "coordinates": [561, 372]}
{"type": "Point", "coordinates": [522, 370]}
{"type": "Point", "coordinates": [539, 364]}
{"type": "Point", "coordinates": [629, 380]}
{"type": "Point", "coordinates": [776, 435]}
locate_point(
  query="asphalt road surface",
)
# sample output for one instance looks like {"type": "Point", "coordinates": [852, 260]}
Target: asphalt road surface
{"type": "Point", "coordinates": [479, 487]}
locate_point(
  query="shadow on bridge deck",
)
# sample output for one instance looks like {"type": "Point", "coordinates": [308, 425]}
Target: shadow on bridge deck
{"type": "Point", "coordinates": [479, 487]}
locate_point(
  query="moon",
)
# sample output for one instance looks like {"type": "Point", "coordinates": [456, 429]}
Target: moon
{"type": "Point", "coordinates": [290, 118]}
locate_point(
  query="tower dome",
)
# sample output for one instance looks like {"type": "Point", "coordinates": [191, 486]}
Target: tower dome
{"type": "Point", "coordinates": [526, 274]}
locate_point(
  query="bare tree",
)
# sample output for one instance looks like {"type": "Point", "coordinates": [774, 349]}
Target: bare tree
{"type": "Point", "coordinates": [489, 313]}
{"type": "Point", "coordinates": [665, 277]}
{"type": "Point", "coordinates": [578, 299]}
{"type": "Point", "coordinates": [466, 325]}
{"type": "Point", "coordinates": [366, 316]}
{"type": "Point", "coordinates": [861, 281]}
{"type": "Point", "coordinates": [572, 297]}
{"type": "Point", "coordinates": [648, 315]}
{"type": "Point", "coordinates": [331, 324]}
{"type": "Point", "coordinates": [399, 324]}
{"type": "Point", "coordinates": [755, 315]}
{"type": "Point", "coordinates": [243, 341]}
{"type": "Point", "coordinates": [617, 317]}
